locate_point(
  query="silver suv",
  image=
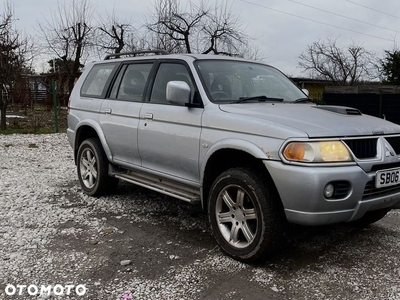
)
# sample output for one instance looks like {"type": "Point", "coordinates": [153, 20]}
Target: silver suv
{"type": "Point", "coordinates": [235, 135]}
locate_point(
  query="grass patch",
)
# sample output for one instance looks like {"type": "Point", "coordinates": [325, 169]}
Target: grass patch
{"type": "Point", "coordinates": [36, 120]}
{"type": "Point", "coordinates": [32, 146]}
{"type": "Point", "coordinates": [31, 131]}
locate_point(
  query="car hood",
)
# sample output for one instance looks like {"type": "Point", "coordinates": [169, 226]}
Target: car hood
{"type": "Point", "coordinates": [315, 120]}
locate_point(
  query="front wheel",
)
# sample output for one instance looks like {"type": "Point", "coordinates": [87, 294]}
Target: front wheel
{"type": "Point", "coordinates": [244, 214]}
{"type": "Point", "coordinates": [92, 165]}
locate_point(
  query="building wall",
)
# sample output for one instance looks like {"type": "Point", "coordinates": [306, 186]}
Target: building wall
{"type": "Point", "coordinates": [316, 91]}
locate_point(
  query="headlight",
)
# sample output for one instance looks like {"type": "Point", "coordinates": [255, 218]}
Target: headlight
{"type": "Point", "coordinates": [315, 152]}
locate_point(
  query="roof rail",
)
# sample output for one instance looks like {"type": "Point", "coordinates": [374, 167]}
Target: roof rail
{"type": "Point", "coordinates": [134, 53]}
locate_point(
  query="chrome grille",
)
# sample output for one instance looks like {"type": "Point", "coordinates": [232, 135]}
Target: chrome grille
{"type": "Point", "coordinates": [363, 148]}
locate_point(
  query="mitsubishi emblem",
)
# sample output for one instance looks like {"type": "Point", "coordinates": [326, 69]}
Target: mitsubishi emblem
{"type": "Point", "coordinates": [389, 152]}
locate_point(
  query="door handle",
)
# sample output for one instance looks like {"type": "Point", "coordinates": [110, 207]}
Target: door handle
{"type": "Point", "coordinates": [108, 111]}
{"type": "Point", "coordinates": [148, 116]}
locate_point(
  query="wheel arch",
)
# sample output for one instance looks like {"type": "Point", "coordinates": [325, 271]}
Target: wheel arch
{"type": "Point", "coordinates": [224, 158]}
{"type": "Point", "coordinates": [90, 129]}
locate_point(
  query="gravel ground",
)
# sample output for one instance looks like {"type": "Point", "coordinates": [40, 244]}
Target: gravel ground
{"type": "Point", "coordinates": [141, 245]}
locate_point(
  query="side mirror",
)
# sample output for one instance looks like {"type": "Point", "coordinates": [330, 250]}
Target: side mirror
{"type": "Point", "coordinates": [305, 91]}
{"type": "Point", "coordinates": [178, 92]}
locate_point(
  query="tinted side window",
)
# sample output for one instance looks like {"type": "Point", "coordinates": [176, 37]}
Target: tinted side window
{"type": "Point", "coordinates": [131, 85]}
{"type": "Point", "coordinates": [166, 73]}
{"type": "Point", "coordinates": [95, 84]}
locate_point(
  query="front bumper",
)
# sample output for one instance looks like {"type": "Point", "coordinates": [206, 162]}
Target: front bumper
{"type": "Point", "coordinates": [301, 191]}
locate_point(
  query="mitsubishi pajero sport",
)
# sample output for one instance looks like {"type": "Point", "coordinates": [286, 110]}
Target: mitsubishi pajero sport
{"type": "Point", "coordinates": [238, 137]}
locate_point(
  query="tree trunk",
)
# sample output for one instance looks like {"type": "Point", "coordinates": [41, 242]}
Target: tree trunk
{"type": "Point", "coordinates": [3, 108]}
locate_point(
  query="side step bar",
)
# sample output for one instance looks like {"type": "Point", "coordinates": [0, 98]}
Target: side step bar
{"type": "Point", "coordinates": [166, 187]}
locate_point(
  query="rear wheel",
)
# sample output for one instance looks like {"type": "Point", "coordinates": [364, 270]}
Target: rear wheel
{"type": "Point", "coordinates": [244, 214]}
{"type": "Point", "coordinates": [92, 165]}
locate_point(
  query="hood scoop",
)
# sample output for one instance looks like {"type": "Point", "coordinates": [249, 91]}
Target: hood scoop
{"type": "Point", "coordinates": [341, 110]}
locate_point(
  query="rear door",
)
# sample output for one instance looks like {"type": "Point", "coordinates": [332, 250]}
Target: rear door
{"type": "Point", "coordinates": [120, 112]}
{"type": "Point", "coordinates": [169, 134]}
{"type": "Point", "coordinates": [92, 93]}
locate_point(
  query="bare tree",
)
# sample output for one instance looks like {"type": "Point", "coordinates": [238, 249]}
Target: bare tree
{"type": "Point", "coordinates": [69, 33]}
{"type": "Point", "coordinates": [174, 26]}
{"type": "Point", "coordinates": [198, 29]}
{"type": "Point", "coordinates": [222, 32]}
{"type": "Point", "coordinates": [343, 66]}
{"type": "Point", "coordinates": [114, 35]}
{"type": "Point", "coordinates": [14, 60]}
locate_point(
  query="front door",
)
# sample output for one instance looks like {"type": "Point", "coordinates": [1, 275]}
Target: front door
{"type": "Point", "coordinates": [169, 134]}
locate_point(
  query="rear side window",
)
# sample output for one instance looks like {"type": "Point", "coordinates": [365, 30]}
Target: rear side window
{"type": "Point", "coordinates": [98, 79]}
{"type": "Point", "coordinates": [131, 82]}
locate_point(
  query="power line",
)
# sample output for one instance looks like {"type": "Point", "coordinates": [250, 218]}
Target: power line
{"type": "Point", "coordinates": [342, 16]}
{"type": "Point", "coordinates": [379, 11]}
{"type": "Point", "coordinates": [319, 22]}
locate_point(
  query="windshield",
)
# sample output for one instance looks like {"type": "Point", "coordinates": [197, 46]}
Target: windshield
{"type": "Point", "coordinates": [229, 81]}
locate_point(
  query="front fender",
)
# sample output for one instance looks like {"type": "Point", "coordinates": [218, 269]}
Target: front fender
{"type": "Point", "coordinates": [235, 144]}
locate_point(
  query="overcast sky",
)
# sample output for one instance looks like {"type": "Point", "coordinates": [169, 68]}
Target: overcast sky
{"type": "Point", "coordinates": [282, 29]}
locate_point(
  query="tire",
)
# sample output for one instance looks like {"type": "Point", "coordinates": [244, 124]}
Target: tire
{"type": "Point", "coordinates": [245, 215]}
{"type": "Point", "coordinates": [92, 166]}
{"type": "Point", "coordinates": [371, 217]}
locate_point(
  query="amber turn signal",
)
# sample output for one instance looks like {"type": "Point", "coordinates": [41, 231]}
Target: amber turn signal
{"type": "Point", "coordinates": [295, 151]}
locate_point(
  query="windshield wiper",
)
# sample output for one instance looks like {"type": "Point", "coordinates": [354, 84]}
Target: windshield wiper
{"type": "Point", "coordinates": [304, 100]}
{"type": "Point", "coordinates": [260, 98]}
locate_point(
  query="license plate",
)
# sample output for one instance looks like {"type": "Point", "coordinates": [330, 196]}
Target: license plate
{"type": "Point", "coordinates": [387, 177]}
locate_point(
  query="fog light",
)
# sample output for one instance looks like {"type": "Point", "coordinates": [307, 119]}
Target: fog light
{"type": "Point", "coordinates": [329, 190]}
